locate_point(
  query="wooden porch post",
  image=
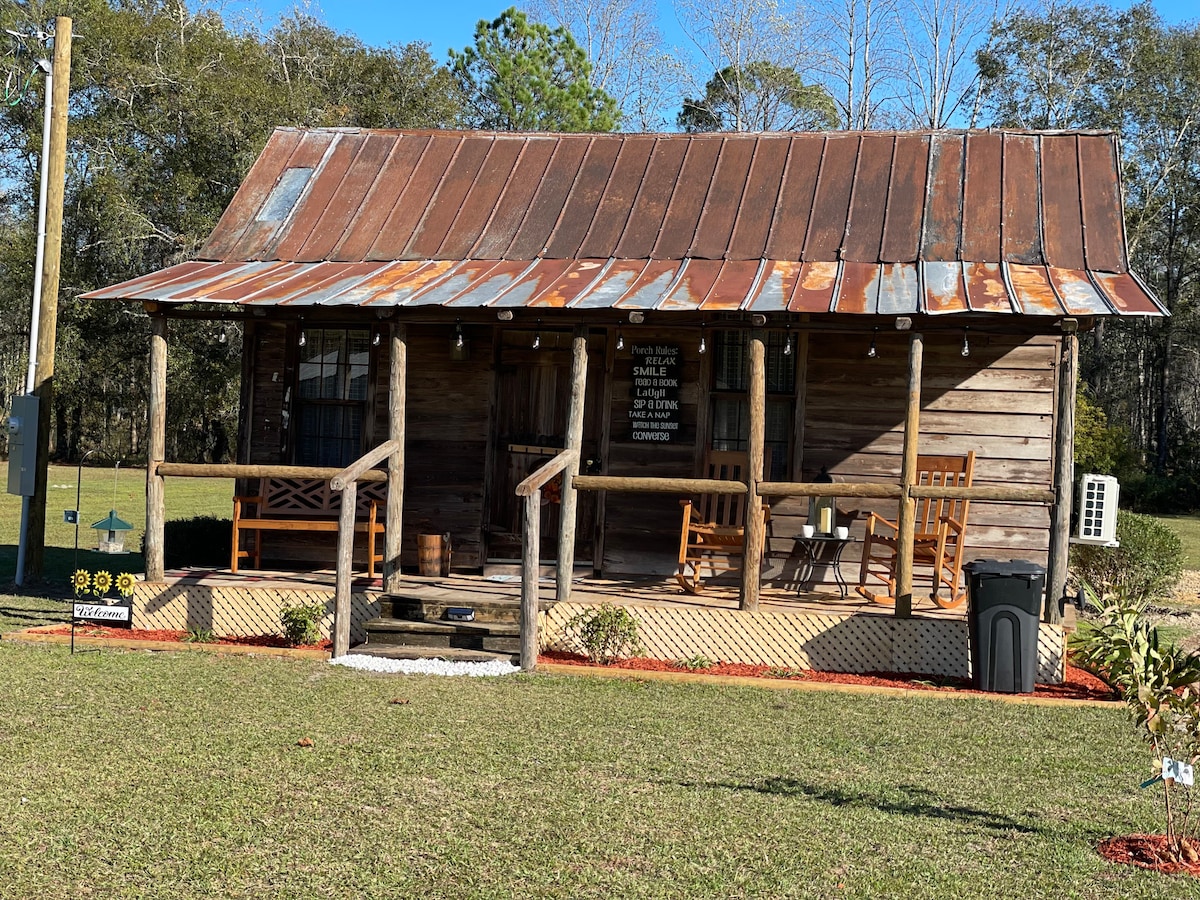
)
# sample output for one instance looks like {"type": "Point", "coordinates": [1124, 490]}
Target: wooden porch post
{"type": "Point", "coordinates": [157, 444]}
{"type": "Point", "coordinates": [397, 410]}
{"type": "Point", "coordinates": [1064, 473]}
{"type": "Point", "coordinates": [567, 512]}
{"type": "Point", "coordinates": [752, 551]}
{"type": "Point", "coordinates": [345, 556]}
{"type": "Point", "coordinates": [908, 475]}
{"type": "Point", "coordinates": [530, 564]}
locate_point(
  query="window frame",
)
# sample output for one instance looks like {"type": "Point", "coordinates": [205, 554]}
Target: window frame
{"type": "Point", "coordinates": [311, 449]}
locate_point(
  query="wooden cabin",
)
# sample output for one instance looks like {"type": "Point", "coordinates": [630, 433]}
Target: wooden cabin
{"type": "Point", "coordinates": [828, 304]}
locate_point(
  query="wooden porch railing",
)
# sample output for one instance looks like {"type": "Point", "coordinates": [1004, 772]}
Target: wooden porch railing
{"type": "Point", "coordinates": [531, 538]}
{"type": "Point", "coordinates": [346, 481]}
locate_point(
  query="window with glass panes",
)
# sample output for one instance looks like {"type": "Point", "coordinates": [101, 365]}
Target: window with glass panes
{"type": "Point", "coordinates": [730, 398]}
{"type": "Point", "coordinates": [332, 396]}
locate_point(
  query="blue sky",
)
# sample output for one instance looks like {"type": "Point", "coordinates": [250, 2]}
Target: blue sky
{"type": "Point", "coordinates": [444, 24]}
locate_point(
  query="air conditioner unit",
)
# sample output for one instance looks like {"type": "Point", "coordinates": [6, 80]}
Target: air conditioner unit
{"type": "Point", "coordinates": [1098, 495]}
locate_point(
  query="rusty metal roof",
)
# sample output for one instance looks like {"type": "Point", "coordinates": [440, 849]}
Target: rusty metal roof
{"type": "Point", "coordinates": [871, 223]}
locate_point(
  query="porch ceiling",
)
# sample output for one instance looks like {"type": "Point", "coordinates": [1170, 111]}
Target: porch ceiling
{"type": "Point", "coordinates": [689, 285]}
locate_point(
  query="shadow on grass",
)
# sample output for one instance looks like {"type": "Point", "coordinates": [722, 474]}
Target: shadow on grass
{"type": "Point", "coordinates": [57, 565]}
{"type": "Point", "coordinates": [917, 802]}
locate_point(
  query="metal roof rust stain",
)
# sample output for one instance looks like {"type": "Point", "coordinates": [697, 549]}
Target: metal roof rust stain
{"type": "Point", "coordinates": [886, 223]}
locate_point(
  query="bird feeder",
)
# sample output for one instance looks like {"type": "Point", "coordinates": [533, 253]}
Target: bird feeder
{"type": "Point", "coordinates": [822, 511]}
{"type": "Point", "coordinates": [111, 533]}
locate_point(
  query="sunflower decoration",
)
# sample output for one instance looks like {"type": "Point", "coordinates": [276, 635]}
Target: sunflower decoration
{"type": "Point", "coordinates": [81, 581]}
{"type": "Point", "coordinates": [101, 583]}
{"type": "Point", "coordinates": [125, 584]}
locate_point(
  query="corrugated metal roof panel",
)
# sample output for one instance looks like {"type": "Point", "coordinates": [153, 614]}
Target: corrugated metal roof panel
{"type": "Point", "coordinates": [887, 223]}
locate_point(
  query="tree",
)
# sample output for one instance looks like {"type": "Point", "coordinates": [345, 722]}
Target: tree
{"type": "Point", "coordinates": [759, 97]}
{"type": "Point", "coordinates": [1092, 67]}
{"type": "Point", "coordinates": [525, 76]}
{"type": "Point", "coordinates": [170, 107]}
{"type": "Point", "coordinates": [625, 50]}
{"type": "Point", "coordinates": [857, 56]}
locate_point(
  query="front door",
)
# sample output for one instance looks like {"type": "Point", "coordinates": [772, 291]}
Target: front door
{"type": "Point", "coordinates": [533, 391]}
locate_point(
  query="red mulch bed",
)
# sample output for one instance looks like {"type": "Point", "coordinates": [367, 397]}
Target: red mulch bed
{"type": "Point", "coordinates": [1079, 685]}
{"type": "Point", "coordinates": [179, 637]}
{"type": "Point", "coordinates": [1146, 851]}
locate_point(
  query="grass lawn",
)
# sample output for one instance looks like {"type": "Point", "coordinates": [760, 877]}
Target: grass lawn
{"type": "Point", "coordinates": [180, 776]}
{"type": "Point", "coordinates": [100, 490]}
{"type": "Point", "coordinates": [1188, 529]}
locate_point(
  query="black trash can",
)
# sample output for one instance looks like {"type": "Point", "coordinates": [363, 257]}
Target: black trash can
{"type": "Point", "coordinates": [1004, 613]}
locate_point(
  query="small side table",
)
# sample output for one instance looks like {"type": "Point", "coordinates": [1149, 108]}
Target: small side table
{"type": "Point", "coordinates": [812, 547]}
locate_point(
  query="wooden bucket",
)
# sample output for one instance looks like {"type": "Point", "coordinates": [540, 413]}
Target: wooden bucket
{"type": "Point", "coordinates": [433, 554]}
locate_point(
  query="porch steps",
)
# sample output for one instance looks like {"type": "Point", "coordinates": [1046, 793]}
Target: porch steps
{"type": "Point", "coordinates": [413, 624]}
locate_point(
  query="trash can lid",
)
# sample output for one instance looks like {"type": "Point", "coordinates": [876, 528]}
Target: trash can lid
{"type": "Point", "coordinates": [1020, 568]}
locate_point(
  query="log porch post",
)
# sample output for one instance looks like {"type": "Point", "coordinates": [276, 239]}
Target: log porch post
{"type": "Point", "coordinates": [570, 497]}
{"type": "Point", "coordinates": [752, 550]}
{"type": "Point", "coordinates": [393, 533]}
{"type": "Point", "coordinates": [908, 476]}
{"type": "Point", "coordinates": [157, 444]}
{"type": "Point", "coordinates": [1064, 472]}
{"type": "Point", "coordinates": [345, 555]}
{"type": "Point", "coordinates": [530, 564]}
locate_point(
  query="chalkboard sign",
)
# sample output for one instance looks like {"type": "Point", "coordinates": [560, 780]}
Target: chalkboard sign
{"type": "Point", "coordinates": [654, 408]}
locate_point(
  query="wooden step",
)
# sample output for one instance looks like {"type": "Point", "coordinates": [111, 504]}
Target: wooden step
{"type": "Point", "coordinates": [417, 608]}
{"type": "Point", "coordinates": [451, 654]}
{"type": "Point", "coordinates": [495, 637]}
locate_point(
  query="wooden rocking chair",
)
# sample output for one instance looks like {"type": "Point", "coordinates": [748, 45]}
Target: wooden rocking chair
{"type": "Point", "coordinates": [714, 525]}
{"type": "Point", "coordinates": [938, 538]}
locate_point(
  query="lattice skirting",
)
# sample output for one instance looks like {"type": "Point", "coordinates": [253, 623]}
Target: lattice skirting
{"type": "Point", "coordinates": [846, 643]}
{"type": "Point", "coordinates": [227, 610]}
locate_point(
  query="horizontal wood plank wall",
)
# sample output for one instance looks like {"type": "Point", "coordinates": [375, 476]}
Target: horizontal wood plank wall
{"type": "Point", "coordinates": [998, 401]}
{"type": "Point", "coordinates": [642, 530]}
{"type": "Point", "coordinates": [448, 402]}
{"type": "Point", "coordinates": [263, 421]}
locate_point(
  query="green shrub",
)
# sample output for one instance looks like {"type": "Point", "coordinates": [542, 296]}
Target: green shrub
{"type": "Point", "coordinates": [198, 635]}
{"type": "Point", "coordinates": [1145, 568]}
{"type": "Point", "coordinates": [203, 541]}
{"type": "Point", "coordinates": [1160, 685]}
{"type": "Point", "coordinates": [605, 633]}
{"type": "Point", "coordinates": [694, 662]}
{"type": "Point", "coordinates": [300, 623]}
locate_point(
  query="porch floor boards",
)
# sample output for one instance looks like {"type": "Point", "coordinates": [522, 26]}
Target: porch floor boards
{"type": "Point", "coordinates": [461, 589]}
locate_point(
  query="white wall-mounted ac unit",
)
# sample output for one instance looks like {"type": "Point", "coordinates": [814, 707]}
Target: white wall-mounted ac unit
{"type": "Point", "coordinates": [1098, 496]}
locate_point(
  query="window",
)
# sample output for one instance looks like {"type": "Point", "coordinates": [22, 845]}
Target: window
{"type": "Point", "coordinates": [332, 396]}
{"type": "Point", "coordinates": [730, 402]}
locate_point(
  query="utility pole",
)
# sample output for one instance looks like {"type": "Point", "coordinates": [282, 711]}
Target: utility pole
{"type": "Point", "coordinates": [47, 319]}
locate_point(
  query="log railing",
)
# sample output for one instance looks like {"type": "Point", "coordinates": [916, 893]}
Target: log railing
{"type": "Point", "coordinates": [346, 480]}
{"type": "Point", "coordinates": [531, 490]}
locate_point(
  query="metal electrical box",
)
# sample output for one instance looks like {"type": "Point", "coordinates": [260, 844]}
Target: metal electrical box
{"type": "Point", "coordinates": [22, 444]}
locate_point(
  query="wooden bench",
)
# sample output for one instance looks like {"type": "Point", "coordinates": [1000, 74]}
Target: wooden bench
{"type": "Point", "coordinates": [305, 504]}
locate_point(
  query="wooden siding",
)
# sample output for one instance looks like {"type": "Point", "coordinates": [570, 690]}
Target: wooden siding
{"type": "Point", "coordinates": [641, 531]}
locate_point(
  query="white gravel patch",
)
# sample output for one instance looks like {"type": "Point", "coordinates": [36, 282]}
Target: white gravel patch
{"type": "Point", "coordinates": [424, 666]}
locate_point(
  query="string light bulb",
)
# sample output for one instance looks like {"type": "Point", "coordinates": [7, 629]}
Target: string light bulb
{"type": "Point", "coordinates": [703, 343]}
{"type": "Point", "coordinates": [872, 351]}
{"type": "Point", "coordinates": [458, 335]}
{"type": "Point", "coordinates": [620, 339]}
{"type": "Point", "coordinates": [222, 337]}
{"type": "Point", "coordinates": [375, 339]}
{"type": "Point", "coordinates": [537, 337]}
{"type": "Point", "coordinates": [303, 337]}
{"type": "Point", "coordinates": [787, 340]}
{"type": "Point", "coordinates": [966, 346]}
